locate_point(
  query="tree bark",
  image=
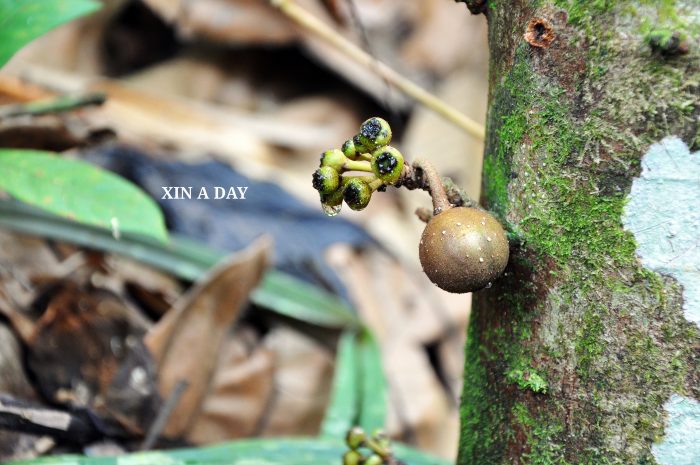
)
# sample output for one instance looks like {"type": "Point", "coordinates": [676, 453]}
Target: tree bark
{"type": "Point", "coordinates": [574, 356]}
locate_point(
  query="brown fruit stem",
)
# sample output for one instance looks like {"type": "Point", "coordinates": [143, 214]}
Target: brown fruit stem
{"type": "Point", "coordinates": [422, 175]}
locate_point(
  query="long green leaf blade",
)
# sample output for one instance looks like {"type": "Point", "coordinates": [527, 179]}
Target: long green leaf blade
{"type": "Point", "coordinates": [278, 451]}
{"type": "Point", "coordinates": [22, 21]}
{"type": "Point", "coordinates": [186, 259]}
{"type": "Point", "coordinates": [341, 413]}
{"type": "Point", "coordinates": [80, 191]}
{"type": "Point", "coordinates": [373, 402]}
{"type": "Point", "coordinates": [296, 299]}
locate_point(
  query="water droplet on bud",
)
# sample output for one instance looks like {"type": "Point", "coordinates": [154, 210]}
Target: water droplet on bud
{"type": "Point", "coordinates": [331, 210]}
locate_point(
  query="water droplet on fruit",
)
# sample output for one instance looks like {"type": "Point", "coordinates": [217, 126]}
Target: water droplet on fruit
{"type": "Point", "coordinates": [331, 210]}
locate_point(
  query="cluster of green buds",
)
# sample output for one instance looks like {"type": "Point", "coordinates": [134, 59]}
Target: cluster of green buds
{"type": "Point", "coordinates": [367, 152]}
{"type": "Point", "coordinates": [378, 448]}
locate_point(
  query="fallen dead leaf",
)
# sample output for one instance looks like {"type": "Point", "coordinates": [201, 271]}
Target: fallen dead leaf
{"type": "Point", "coordinates": [14, 381]}
{"type": "Point", "coordinates": [302, 378]}
{"type": "Point", "coordinates": [240, 391]}
{"type": "Point", "coordinates": [84, 350]}
{"type": "Point", "coordinates": [187, 341]}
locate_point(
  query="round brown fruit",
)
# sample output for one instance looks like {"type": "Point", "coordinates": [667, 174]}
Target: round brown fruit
{"type": "Point", "coordinates": [463, 249]}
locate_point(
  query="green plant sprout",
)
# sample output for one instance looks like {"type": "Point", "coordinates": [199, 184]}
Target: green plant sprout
{"type": "Point", "coordinates": [463, 247]}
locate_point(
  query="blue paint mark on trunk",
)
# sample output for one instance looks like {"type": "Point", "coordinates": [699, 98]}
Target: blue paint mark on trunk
{"type": "Point", "coordinates": [663, 213]}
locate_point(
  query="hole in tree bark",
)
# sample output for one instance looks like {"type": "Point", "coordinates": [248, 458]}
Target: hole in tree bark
{"type": "Point", "coordinates": [539, 33]}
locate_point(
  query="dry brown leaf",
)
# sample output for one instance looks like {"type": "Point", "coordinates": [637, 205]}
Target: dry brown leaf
{"type": "Point", "coordinates": [303, 373]}
{"type": "Point", "coordinates": [140, 117]}
{"type": "Point", "coordinates": [52, 132]}
{"type": "Point", "coordinates": [418, 401]}
{"type": "Point", "coordinates": [378, 18]}
{"type": "Point", "coordinates": [191, 77]}
{"type": "Point", "coordinates": [48, 132]}
{"type": "Point", "coordinates": [238, 21]}
{"type": "Point", "coordinates": [256, 22]}
{"type": "Point", "coordinates": [15, 90]}
{"type": "Point", "coordinates": [154, 290]}
{"type": "Point", "coordinates": [445, 38]}
{"type": "Point", "coordinates": [22, 258]}
{"type": "Point", "coordinates": [13, 381]}
{"type": "Point", "coordinates": [149, 118]}
{"type": "Point", "coordinates": [83, 349]}
{"type": "Point", "coordinates": [186, 342]}
{"type": "Point", "coordinates": [240, 391]}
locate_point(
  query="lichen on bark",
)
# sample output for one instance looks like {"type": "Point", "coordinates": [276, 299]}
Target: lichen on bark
{"type": "Point", "coordinates": [567, 126]}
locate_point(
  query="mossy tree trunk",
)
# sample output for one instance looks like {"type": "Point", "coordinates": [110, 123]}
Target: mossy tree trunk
{"type": "Point", "coordinates": [574, 356]}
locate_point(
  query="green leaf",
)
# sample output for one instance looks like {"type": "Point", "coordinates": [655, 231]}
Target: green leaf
{"type": "Point", "coordinates": [373, 397]}
{"type": "Point", "coordinates": [296, 299]}
{"type": "Point", "coordinates": [80, 191]}
{"type": "Point", "coordinates": [188, 260]}
{"type": "Point", "coordinates": [22, 21]}
{"type": "Point", "coordinates": [278, 451]}
{"type": "Point", "coordinates": [342, 413]}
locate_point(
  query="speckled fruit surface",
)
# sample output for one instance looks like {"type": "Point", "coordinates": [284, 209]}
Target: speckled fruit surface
{"type": "Point", "coordinates": [463, 250]}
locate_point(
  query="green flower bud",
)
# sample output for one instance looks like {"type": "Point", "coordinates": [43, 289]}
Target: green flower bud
{"type": "Point", "coordinates": [326, 180]}
{"type": "Point", "coordinates": [352, 457]}
{"type": "Point", "coordinates": [355, 437]}
{"type": "Point", "coordinates": [382, 440]}
{"type": "Point", "coordinates": [357, 193]}
{"type": "Point", "coordinates": [348, 149]}
{"type": "Point", "coordinates": [359, 146]}
{"type": "Point", "coordinates": [333, 158]}
{"type": "Point", "coordinates": [375, 132]}
{"type": "Point", "coordinates": [335, 198]}
{"type": "Point", "coordinates": [374, 459]}
{"type": "Point", "coordinates": [387, 164]}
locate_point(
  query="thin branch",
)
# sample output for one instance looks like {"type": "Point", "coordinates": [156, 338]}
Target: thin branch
{"type": "Point", "coordinates": [306, 20]}
{"type": "Point", "coordinates": [56, 105]}
{"type": "Point", "coordinates": [21, 416]}
{"type": "Point", "coordinates": [161, 420]}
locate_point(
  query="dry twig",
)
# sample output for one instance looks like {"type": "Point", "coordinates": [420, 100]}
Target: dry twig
{"type": "Point", "coordinates": [312, 24]}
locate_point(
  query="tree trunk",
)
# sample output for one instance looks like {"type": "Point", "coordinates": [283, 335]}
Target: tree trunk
{"type": "Point", "coordinates": [588, 350]}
